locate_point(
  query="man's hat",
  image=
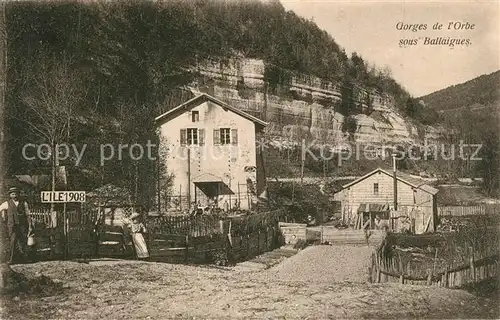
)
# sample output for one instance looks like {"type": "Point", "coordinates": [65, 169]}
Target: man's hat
{"type": "Point", "coordinates": [13, 189]}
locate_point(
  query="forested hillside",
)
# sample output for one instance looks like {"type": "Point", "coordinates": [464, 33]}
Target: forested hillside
{"type": "Point", "coordinates": [97, 72]}
{"type": "Point", "coordinates": [482, 90]}
{"type": "Point", "coordinates": [471, 113]}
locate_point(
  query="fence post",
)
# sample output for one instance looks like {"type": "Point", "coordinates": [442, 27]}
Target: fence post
{"type": "Point", "coordinates": [400, 264]}
{"type": "Point", "coordinates": [472, 267]}
{"type": "Point", "coordinates": [258, 241]}
{"type": "Point", "coordinates": [378, 268]}
{"type": "Point", "coordinates": [248, 244]}
{"type": "Point", "coordinates": [66, 232]}
{"type": "Point", "coordinates": [370, 272]}
{"type": "Point", "coordinates": [267, 237]}
{"type": "Point", "coordinates": [429, 278]}
{"type": "Point", "coordinates": [187, 249]}
{"type": "Point", "coordinates": [239, 196]}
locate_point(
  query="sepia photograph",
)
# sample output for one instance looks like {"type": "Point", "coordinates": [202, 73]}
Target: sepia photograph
{"type": "Point", "coordinates": [249, 159]}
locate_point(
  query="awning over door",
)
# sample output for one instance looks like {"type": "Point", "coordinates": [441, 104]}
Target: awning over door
{"type": "Point", "coordinates": [214, 188]}
{"type": "Point", "coordinates": [373, 207]}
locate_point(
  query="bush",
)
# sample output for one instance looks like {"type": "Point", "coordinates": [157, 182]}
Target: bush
{"type": "Point", "coordinates": [307, 200]}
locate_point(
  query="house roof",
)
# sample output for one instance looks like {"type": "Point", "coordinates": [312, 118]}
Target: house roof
{"type": "Point", "coordinates": [203, 98]}
{"type": "Point", "coordinates": [401, 176]}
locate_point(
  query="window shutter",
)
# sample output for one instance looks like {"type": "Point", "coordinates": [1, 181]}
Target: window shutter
{"type": "Point", "coordinates": [201, 137]}
{"type": "Point", "coordinates": [216, 137]}
{"type": "Point", "coordinates": [234, 136]}
{"type": "Point", "coordinates": [183, 137]}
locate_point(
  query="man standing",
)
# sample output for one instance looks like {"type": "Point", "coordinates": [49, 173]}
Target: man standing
{"type": "Point", "coordinates": [15, 214]}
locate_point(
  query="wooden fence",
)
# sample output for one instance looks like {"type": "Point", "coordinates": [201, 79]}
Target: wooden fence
{"type": "Point", "coordinates": [171, 238]}
{"type": "Point", "coordinates": [390, 268]}
{"type": "Point", "coordinates": [209, 239]}
{"type": "Point", "coordinates": [73, 217]}
{"type": "Point", "coordinates": [184, 225]}
{"type": "Point", "coordinates": [43, 217]}
{"type": "Point", "coordinates": [69, 234]}
{"type": "Point", "coordinates": [469, 210]}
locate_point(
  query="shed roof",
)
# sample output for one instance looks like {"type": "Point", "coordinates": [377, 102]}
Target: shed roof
{"type": "Point", "coordinates": [401, 176]}
{"type": "Point", "coordinates": [201, 99]}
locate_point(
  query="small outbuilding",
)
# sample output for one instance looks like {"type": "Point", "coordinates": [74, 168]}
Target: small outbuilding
{"type": "Point", "coordinates": [416, 200]}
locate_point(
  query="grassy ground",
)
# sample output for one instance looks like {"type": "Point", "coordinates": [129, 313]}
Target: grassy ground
{"type": "Point", "coordinates": [138, 290]}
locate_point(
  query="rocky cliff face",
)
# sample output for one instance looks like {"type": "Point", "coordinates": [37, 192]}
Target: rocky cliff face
{"type": "Point", "coordinates": [306, 107]}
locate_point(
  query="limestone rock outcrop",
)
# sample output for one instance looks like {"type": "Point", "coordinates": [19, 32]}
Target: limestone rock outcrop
{"type": "Point", "coordinates": [306, 107]}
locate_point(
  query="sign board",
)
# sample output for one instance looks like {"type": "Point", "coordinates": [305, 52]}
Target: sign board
{"type": "Point", "coordinates": [62, 196]}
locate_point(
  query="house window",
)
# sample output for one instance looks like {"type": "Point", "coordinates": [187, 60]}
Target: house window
{"type": "Point", "coordinates": [195, 116]}
{"type": "Point", "coordinates": [225, 136]}
{"type": "Point", "coordinates": [375, 188]}
{"type": "Point", "coordinates": [192, 136]}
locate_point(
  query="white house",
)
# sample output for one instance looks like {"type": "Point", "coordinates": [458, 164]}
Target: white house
{"type": "Point", "coordinates": [212, 153]}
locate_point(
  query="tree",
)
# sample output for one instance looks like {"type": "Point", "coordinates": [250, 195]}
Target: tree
{"type": "Point", "coordinates": [7, 275]}
{"type": "Point", "coordinates": [3, 89]}
{"type": "Point", "coordinates": [369, 103]}
{"type": "Point", "coordinates": [164, 178]}
{"type": "Point", "coordinates": [489, 165]}
{"type": "Point", "coordinates": [49, 102]}
{"type": "Point", "coordinates": [347, 104]}
{"type": "Point", "coordinates": [411, 107]}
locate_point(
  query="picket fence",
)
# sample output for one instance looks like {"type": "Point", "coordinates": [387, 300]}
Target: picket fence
{"type": "Point", "coordinates": [469, 210]}
{"type": "Point", "coordinates": [73, 217]}
{"type": "Point", "coordinates": [184, 225]}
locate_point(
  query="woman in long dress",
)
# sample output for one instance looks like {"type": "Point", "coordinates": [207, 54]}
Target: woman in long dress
{"type": "Point", "coordinates": [137, 231]}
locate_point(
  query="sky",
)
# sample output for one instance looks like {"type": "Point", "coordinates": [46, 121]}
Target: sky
{"type": "Point", "coordinates": [370, 28]}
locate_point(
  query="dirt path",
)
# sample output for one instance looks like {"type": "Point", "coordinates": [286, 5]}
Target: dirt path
{"type": "Point", "coordinates": [166, 291]}
{"type": "Point", "coordinates": [326, 264]}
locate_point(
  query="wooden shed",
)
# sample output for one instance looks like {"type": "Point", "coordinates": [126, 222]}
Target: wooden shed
{"type": "Point", "coordinates": [415, 198]}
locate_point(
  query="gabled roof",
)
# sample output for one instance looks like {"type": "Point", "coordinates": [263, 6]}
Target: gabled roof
{"type": "Point", "coordinates": [201, 99]}
{"type": "Point", "coordinates": [401, 176]}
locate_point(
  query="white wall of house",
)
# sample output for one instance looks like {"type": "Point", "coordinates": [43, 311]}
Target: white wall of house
{"type": "Point", "coordinates": [233, 163]}
{"type": "Point", "coordinates": [379, 188]}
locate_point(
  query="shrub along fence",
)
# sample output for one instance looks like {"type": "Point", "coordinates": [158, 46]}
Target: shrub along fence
{"type": "Point", "coordinates": [434, 263]}
{"type": "Point", "coordinates": [209, 239]}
